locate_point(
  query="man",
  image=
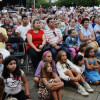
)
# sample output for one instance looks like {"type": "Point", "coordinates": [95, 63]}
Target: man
{"type": "Point", "coordinates": [3, 39]}
{"type": "Point", "coordinates": [22, 29]}
{"type": "Point", "coordinates": [54, 38]}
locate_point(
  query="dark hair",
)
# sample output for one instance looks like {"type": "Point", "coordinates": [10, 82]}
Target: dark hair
{"type": "Point", "coordinates": [10, 29]}
{"type": "Point", "coordinates": [70, 31]}
{"type": "Point", "coordinates": [33, 22]}
{"type": "Point", "coordinates": [77, 58]}
{"type": "Point", "coordinates": [16, 73]}
{"type": "Point", "coordinates": [49, 20]}
{"type": "Point", "coordinates": [88, 49]}
{"type": "Point", "coordinates": [81, 46]}
{"type": "Point", "coordinates": [23, 16]}
{"type": "Point", "coordinates": [93, 20]}
{"type": "Point", "coordinates": [83, 20]}
{"type": "Point", "coordinates": [1, 54]}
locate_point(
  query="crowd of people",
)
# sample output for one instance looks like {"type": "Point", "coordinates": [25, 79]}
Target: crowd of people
{"type": "Point", "coordinates": [62, 43]}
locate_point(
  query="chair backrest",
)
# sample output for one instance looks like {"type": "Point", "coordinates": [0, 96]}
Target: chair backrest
{"type": "Point", "coordinates": [15, 40]}
{"type": "Point", "coordinates": [20, 45]}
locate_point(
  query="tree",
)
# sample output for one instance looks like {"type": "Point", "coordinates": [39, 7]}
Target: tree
{"type": "Point", "coordinates": [68, 3]}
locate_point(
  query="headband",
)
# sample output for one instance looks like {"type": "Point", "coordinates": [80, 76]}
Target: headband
{"type": "Point", "coordinates": [45, 53]}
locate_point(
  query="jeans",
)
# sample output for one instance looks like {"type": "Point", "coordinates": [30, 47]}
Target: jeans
{"type": "Point", "coordinates": [62, 47]}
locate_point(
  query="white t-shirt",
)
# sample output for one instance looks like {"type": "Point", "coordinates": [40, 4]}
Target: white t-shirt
{"type": "Point", "coordinates": [4, 11]}
{"type": "Point", "coordinates": [62, 68]}
{"type": "Point", "coordinates": [54, 8]}
{"type": "Point", "coordinates": [82, 69]}
{"type": "Point", "coordinates": [12, 85]}
{"type": "Point", "coordinates": [23, 30]}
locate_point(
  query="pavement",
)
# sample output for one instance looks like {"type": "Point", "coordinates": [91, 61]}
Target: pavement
{"type": "Point", "coordinates": [68, 92]}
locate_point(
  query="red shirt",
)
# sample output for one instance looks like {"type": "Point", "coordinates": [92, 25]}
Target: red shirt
{"type": "Point", "coordinates": [36, 38]}
{"type": "Point", "coordinates": [79, 21]}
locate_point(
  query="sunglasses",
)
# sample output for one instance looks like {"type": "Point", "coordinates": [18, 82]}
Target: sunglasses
{"type": "Point", "coordinates": [57, 24]}
{"type": "Point", "coordinates": [54, 33]}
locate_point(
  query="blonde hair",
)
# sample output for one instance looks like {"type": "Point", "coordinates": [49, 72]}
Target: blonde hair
{"type": "Point", "coordinates": [59, 56]}
{"type": "Point", "coordinates": [33, 22]}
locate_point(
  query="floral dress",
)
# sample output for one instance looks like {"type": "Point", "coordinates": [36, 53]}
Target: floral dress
{"type": "Point", "coordinates": [44, 93]}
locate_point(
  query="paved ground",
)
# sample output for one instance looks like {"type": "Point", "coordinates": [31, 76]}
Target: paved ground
{"type": "Point", "coordinates": [68, 92]}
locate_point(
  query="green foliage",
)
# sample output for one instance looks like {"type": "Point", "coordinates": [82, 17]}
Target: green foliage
{"type": "Point", "coordinates": [69, 3]}
{"type": "Point", "coordinates": [43, 3]}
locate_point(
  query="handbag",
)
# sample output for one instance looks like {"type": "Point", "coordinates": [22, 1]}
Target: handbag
{"type": "Point", "coordinates": [94, 45]}
{"type": "Point", "coordinates": [46, 47]}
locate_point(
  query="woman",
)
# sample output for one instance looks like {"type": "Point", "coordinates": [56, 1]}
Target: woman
{"type": "Point", "coordinates": [71, 25]}
{"type": "Point", "coordinates": [35, 42]}
{"type": "Point", "coordinates": [86, 33]}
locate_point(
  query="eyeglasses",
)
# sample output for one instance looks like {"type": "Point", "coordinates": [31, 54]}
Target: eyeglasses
{"type": "Point", "coordinates": [57, 24]}
{"type": "Point", "coordinates": [54, 33]}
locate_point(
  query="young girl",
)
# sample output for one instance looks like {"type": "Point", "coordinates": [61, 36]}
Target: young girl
{"type": "Point", "coordinates": [82, 48]}
{"type": "Point", "coordinates": [11, 47]}
{"type": "Point", "coordinates": [13, 77]}
{"type": "Point", "coordinates": [49, 84]}
{"type": "Point", "coordinates": [91, 65]}
{"type": "Point", "coordinates": [66, 69]}
{"type": "Point", "coordinates": [47, 57]}
{"type": "Point", "coordinates": [71, 42]}
{"type": "Point", "coordinates": [79, 61]}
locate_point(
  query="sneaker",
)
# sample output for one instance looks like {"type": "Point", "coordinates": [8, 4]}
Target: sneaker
{"type": "Point", "coordinates": [88, 88]}
{"type": "Point", "coordinates": [82, 91]}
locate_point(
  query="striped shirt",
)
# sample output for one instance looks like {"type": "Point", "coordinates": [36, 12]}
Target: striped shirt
{"type": "Point", "coordinates": [50, 35]}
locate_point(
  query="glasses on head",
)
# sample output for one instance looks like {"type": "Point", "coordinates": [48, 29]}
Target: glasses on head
{"type": "Point", "coordinates": [54, 33]}
{"type": "Point", "coordinates": [73, 21]}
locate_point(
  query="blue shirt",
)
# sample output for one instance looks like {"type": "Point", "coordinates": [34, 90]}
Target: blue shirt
{"type": "Point", "coordinates": [71, 41]}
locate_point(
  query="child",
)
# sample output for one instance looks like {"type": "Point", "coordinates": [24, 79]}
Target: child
{"type": "Point", "coordinates": [71, 42]}
{"type": "Point", "coordinates": [1, 65]}
{"type": "Point", "coordinates": [11, 47]}
{"type": "Point", "coordinates": [66, 71]}
{"type": "Point", "coordinates": [79, 61]}
{"type": "Point", "coordinates": [47, 57]}
{"type": "Point", "coordinates": [49, 83]}
{"type": "Point", "coordinates": [82, 48]}
{"type": "Point", "coordinates": [12, 77]}
{"type": "Point", "coordinates": [91, 66]}
{"type": "Point", "coordinates": [43, 23]}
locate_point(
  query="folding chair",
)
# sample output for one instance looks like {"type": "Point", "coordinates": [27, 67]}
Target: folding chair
{"type": "Point", "coordinates": [21, 49]}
